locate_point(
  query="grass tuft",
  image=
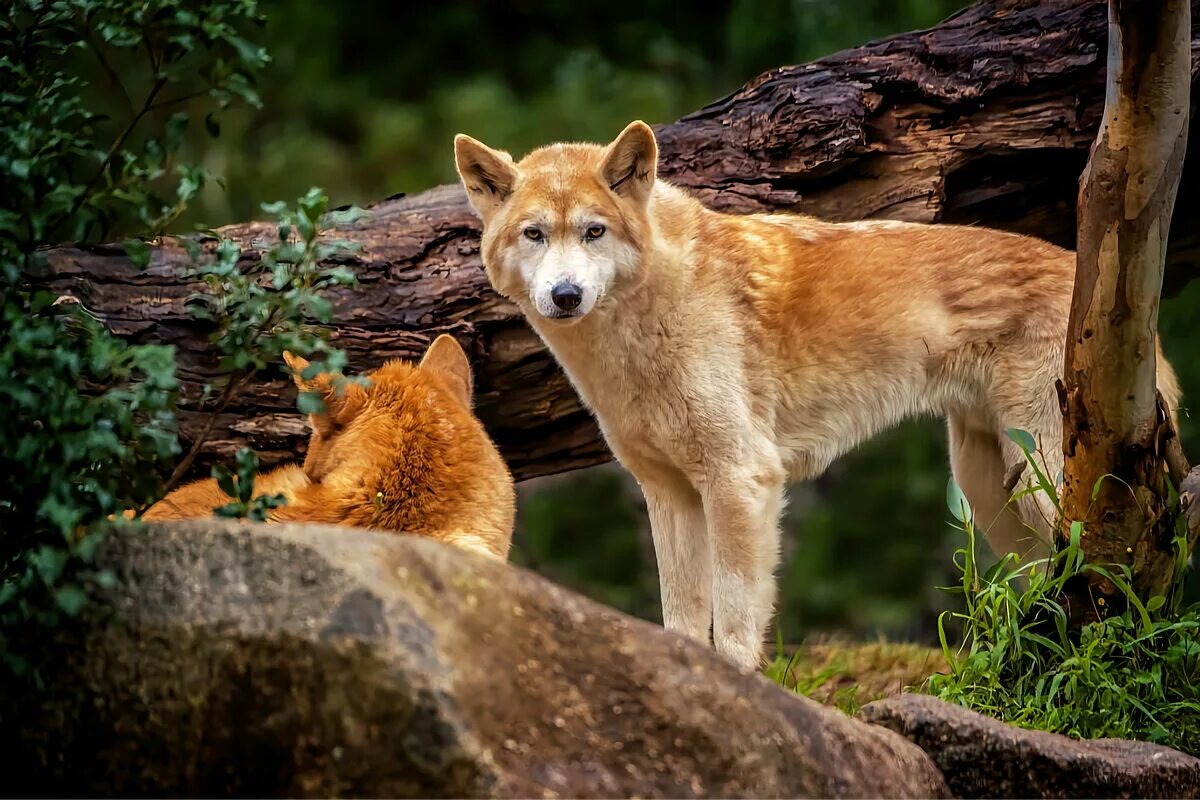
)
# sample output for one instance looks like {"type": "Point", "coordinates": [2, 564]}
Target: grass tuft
{"type": "Point", "coordinates": [1135, 675]}
{"type": "Point", "coordinates": [848, 675]}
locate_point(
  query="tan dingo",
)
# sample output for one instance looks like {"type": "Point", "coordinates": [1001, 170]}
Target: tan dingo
{"type": "Point", "coordinates": [723, 355]}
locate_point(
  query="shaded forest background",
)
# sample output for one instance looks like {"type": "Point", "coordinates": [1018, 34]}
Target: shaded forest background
{"type": "Point", "coordinates": [364, 100]}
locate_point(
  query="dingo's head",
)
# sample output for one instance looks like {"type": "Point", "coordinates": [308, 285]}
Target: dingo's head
{"type": "Point", "coordinates": [400, 401]}
{"type": "Point", "coordinates": [564, 227]}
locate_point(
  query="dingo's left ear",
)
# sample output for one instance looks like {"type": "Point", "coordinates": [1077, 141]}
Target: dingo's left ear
{"type": "Point", "coordinates": [446, 358]}
{"type": "Point", "coordinates": [488, 175]}
{"type": "Point", "coordinates": [297, 365]}
{"type": "Point", "coordinates": [322, 385]}
{"type": "Point", "coordinates": [630, 162]}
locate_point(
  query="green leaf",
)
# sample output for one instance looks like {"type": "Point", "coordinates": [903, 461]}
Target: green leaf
{"type": "Point", "coordinates": [138, 252]}
{"type": "Point", "coordinates": [70, 598]}
{"type": "Point", "coordinates": [344, 216]}
{"type": "Point", "coordinates": [310, 403]}
{"type": "Point", "coordinates": [956, 501]}
{"type": "Point", "coordinates": [1023, 440]}
{"type": "Point", "coordinates": [225, 480]}
{"type": "Point", "coordinates": [1076, 533]}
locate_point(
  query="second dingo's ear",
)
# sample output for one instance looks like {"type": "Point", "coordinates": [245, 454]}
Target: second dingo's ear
{"type": "Point", "coordinates": [446, 358]}
{"type": "Point", "coordinates": [297, 365]}
{"type": "Point", "coordinates": [488, 175]}
{"type": "Point", "coordinates": [332, 402]}
{"type": "Point", "coordinates": [631, 161]}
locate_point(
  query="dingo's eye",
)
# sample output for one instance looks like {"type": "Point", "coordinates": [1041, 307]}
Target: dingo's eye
{"type": "Point", "coordinates": [532, 234]}
{"type": "Point", "coordinates": [594, 231]}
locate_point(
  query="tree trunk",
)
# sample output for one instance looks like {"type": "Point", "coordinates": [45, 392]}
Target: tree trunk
{"type": "Point", "coordinates": [984, 119]}
{"type": "Point", "coordinates": [1115, 476]}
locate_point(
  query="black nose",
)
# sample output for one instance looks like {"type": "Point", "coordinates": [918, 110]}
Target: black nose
{"type": "Point", "coordinates": [566, 295]}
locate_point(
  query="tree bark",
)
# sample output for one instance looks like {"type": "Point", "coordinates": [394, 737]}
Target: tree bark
{"type": "Point", "coordinates": [1115, 426]}
{"type": "Point", "coordinates": [984, 119]}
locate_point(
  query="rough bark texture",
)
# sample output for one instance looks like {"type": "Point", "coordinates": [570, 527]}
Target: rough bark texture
{"type": "Point", "coordinates": [1113, 424]}
{"type": "Point", "coordinates": [986, 118]}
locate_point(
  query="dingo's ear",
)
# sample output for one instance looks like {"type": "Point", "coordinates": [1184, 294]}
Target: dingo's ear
{"type": "Point", "coordinates": [297, 365]}
{"type": "Point", "coordinates": [630, 162]}
{"type": "Point", "coordinates": [488, 175]}
{"type": "Point", "coordinates": [446, 358]}
{"type": "Point", "coordinates": [321, 385]}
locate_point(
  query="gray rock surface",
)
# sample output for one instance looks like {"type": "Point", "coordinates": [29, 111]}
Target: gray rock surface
{"type": "Point", "coordinates": [982, 757]}
{"type": "Point", "coordinates": [309, 661]}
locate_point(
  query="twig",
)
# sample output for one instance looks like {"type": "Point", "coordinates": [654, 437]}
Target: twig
{"type": "Point", "coordinates": [108, 70]}
{"type": "Point", "coordinates": [232, 388]}
{"type": "Point", "coordinates": [174, 101]}
{"type": "Point", "coordinates": [116, 146]}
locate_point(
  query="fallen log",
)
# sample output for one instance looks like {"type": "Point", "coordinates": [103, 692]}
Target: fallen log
{"type": "Point", "coordinates": [984, 119]}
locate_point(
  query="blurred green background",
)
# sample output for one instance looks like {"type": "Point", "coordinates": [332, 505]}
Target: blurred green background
{"type": "Point", "coordinates": [364, 99]}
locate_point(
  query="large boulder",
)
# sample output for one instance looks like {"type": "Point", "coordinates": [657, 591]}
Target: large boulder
{"type": "Point", "coordinates": [304, 661]}
{"type": "Point", "coordinates": [982, 757]}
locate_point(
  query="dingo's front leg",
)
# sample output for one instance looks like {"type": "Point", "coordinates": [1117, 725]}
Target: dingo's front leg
{"type": "Point", "coordinates": [742, 503]}
{"type": "Point", "coordinates": [681, 546]}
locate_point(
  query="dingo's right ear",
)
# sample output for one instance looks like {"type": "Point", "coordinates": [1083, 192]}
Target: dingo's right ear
{"type": "Point", "coordinates": [321, 385]}
{"type": "Point", "coordinates": [446, 357]}
{"type": "Point", "coordinates": [488, 175]}
{"type": "Point", "coordinates": [297, 366]}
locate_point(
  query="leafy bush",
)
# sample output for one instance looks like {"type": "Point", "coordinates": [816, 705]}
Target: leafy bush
{"type": "Point", "coordinates": [87, 420]}
{"type": "Point", "coordinates": [239, 485]}
{"type": "Point", "coordinates": [259, 307]}
{"type": "Point", "coordinates": [84, 416]}
{"type": "Point", "coordinates": [1133, 675]}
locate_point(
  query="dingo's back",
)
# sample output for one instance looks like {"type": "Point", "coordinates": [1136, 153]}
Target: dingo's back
{"type": "Point", "coordinates": [403, 453]}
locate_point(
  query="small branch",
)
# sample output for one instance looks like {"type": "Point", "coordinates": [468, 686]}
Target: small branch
{"type": "Point", "coordinates": [174, 101]}
{"type": "Point", "coordinates": [1184, 477]}
{"type": "Point", "coordinates": [108, 70]}
{"type": "Point", "coordinates": [235, 385]}
{"type": "Point", "coordinates": [116, 147]}
{"type": "Point", "coordinates": [232, 389]}
{"type": "Point", "coordinates": [1170, 446]}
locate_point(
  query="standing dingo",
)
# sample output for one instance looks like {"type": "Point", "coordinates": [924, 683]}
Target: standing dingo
{"type": "Point", "coordinates": [724, 354]}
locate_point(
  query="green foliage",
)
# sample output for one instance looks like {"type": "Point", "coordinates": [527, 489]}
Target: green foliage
{"type": "Point", "coordinates": [68, 172]}
{"type": "Point", "coordinates": [86, 417]}
{"type": "Point", "coordinates": [258, 307]}
{"type": "Point", "coordinates": [786, 671]}
{"type": "Point", "coordinates": [1134, 675]}
{"type": "Point", "coordinates": [240, 486]}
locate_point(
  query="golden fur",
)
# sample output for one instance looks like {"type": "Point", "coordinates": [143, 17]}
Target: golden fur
{"type": "Point", "coordinates": [723, 355]}
{"type": "Point", "coordinates": [402, 454]}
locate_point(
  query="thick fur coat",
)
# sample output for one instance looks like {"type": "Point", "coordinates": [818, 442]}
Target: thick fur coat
{"type": "Point", "coordinates": [724, 355]}
{"type": "Point", "coordinates": [402, 453]}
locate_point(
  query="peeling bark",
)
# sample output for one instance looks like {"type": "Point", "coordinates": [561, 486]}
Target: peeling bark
{"type": "Point", "coordinates": [986, 118]}
{"type": "Point", "coordinates": [1115, 424]}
